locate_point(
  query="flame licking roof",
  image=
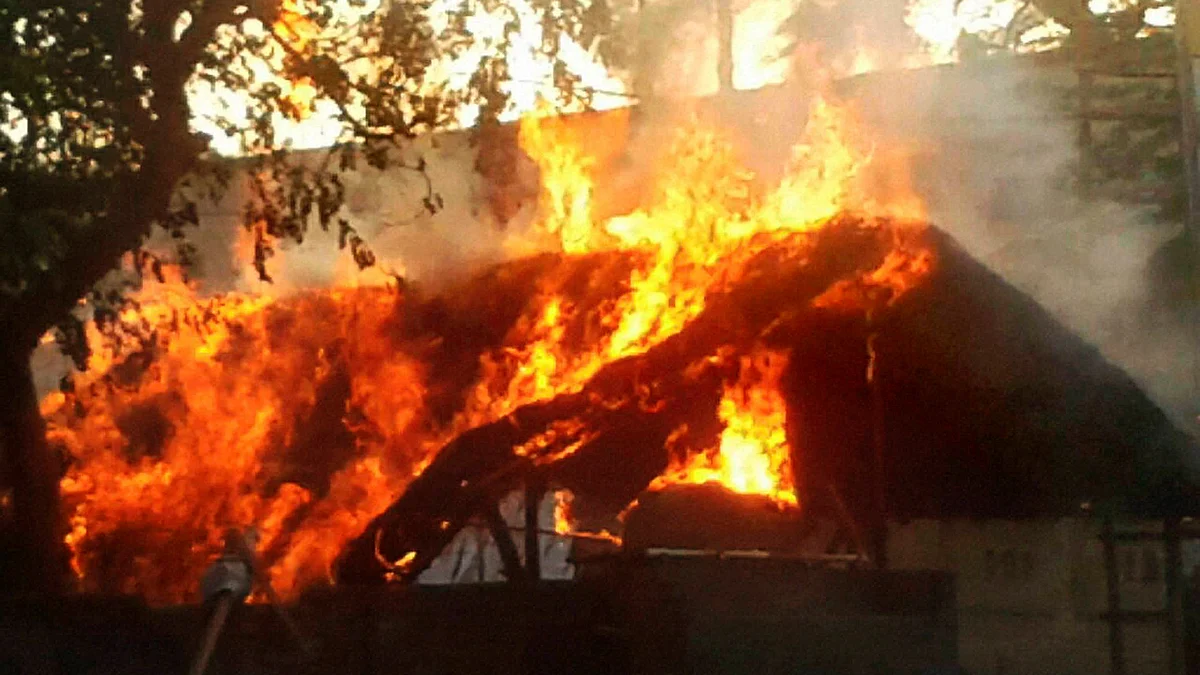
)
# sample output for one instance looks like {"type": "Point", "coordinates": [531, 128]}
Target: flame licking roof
{"type": "Point", "coordinates": [669, 345]}
{"type": "Point", "coordinates": [987, 406]}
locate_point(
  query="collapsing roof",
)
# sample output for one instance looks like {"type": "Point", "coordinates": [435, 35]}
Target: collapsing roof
{"type": "Point", "coordinates": [959, 396]}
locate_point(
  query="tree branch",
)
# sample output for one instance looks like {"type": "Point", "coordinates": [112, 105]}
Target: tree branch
{"type": "Point", "coordinates": [196, 38]}
{"type": "Point", "coordinates": [140, 197]}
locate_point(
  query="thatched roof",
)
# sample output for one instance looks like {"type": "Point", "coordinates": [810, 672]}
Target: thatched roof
{"type": "Point", "coordinates": [983, 405]}
{"type": "Point", "coordinates": [987, 405]}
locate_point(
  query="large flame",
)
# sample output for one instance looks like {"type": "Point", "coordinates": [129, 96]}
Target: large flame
{"type": "Point", "coordinates": [172, 451]}
{"type": "Point", "coordinates": [753, 456]}
{"type": "Point", "coordinates": [304, 415]}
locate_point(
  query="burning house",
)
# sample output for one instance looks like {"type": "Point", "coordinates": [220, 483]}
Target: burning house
{"type": "Point", "coordinates": [720, 420]}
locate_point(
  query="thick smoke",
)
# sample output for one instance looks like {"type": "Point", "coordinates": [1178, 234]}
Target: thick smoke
{"type": "Point", "coordinates": [998, 168]}
{"type": "Point", "coordinates": [998, 165]}
{"type": "Point", "coordinates": [431, 249]}
{"type": "Point", "coordinates": [386, 208]}
{"type": "Point", "coordinates": [994, 154]}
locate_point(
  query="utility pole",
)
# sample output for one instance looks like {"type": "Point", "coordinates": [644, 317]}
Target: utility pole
{"type": "Point", "coordinates": [724, 45]}
{"type": "Point", "coordinates": [1187, 44]}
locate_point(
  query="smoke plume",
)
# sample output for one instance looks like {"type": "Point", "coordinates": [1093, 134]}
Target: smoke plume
{"type": "Point", "coordinates": [994, 153]}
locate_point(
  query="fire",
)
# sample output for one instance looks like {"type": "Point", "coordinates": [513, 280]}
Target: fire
{"type": "Point", "coordinates": [174, 453]}
{"type": "Point", "coordinates": [571, 432]}
{"type": "Point", "coordinates": [702, 222]}
{"type": "Point", "coordinates": [294, 27]}
{"type": "Point", "coordinates": [304, 415]}
{"type": "Point", "coordinates": [823, 172]}
{"type": "Point", "coordinates": [301, 93]}
{"type": "Point", "coordinates": [567, 151]}
{"type": "Point", "coordinates": [699, 224]}
{"type": "Point", "coordinates": [563, 523]}
{"type": "Point", "coordinates": [753, 456]}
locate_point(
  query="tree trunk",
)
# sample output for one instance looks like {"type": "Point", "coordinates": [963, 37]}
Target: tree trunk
{"type": "Point", "coordinates": [35, 559]}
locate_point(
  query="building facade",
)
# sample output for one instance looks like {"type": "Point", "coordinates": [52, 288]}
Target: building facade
{"type": "Point", "coordinates": [1032, 594]}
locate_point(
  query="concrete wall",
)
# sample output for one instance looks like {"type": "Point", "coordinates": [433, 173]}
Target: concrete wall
{"type": "Point", "coordinates": [680, 616]}
{"type": "Point", "coordinates": [1031, 593]}
{"type": "Point", "coordinates": [782, 616]}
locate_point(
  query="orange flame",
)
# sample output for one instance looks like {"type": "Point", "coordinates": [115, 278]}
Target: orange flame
{"type": "Point", "coordinates": [753, 456]}
{"type": "Point", "coordinates": [207, 413]}
{"type": "Point", "coordinates": [703, 222]}
{"type": "Point", "coordinates": [563, 522]}
{"type": "Point", "coordinates": [567, 152]}
{"type": "Point", "coordinates": [183, 451]}
{"type": "Point", "coordinates": [294, 27]}
{"type": "Point", "coordinates": [301, 94]}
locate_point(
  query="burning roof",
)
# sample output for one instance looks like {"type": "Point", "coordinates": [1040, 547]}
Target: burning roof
{"type": "Point", "coordinates": [774, 339]}
{"type": "Point", "coordinates": [987, 407]}
{"type": "Point", "coordinates": [981, 404]}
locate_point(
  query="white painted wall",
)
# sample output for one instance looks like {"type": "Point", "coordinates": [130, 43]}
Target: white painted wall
{"type": "Point", "coordinates": [472, 557]}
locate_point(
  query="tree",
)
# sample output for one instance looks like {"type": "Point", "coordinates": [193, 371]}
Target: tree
{"type": "Point", "coordinates": [100, 148]}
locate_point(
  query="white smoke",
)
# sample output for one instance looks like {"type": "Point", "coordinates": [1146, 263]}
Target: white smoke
{"type": "Point", "coordinates": [996, 161]}
{"type": "Point", "coordinates": [998, 169]}
{"type": "Point", "coordinates": [996, 153]}
{"type": "Point", "coordinates": [999, 175]}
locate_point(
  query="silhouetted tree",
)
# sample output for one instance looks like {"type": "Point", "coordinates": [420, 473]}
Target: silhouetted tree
{"type": "Point", "coordinates": [99, 148]}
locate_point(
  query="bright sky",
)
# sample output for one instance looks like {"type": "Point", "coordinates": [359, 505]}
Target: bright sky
{"type": "Point", "coordinates": [532, 75]}
{"type": "Point", "coordinates": [938, 23]}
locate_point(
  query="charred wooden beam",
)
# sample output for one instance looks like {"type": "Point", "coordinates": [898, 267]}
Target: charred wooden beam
{"type": "Point", "coordinates": [535, 488]}
{"type": "Point", "coordinates": [504, 543]}
{"type": "Point", "coordinates": [482, 463]}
